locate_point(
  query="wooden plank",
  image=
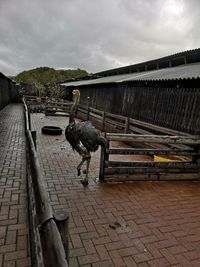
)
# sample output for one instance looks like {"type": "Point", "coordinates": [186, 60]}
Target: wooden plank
{"type": "Point", "coordinates": [144, 151]}
{"type": "Point", "coordinates": [190, 140]}
{"type": "Point", "coordinates": [97, 111]}
{"type": "Point", "coordinates": [135, 129]}
{"type": "Point", "coordinates": [99, 118]}
{"type": "Point", "coordinates": [43, 208]}
{"type": "Point", "coordinates": [145, 170]}
{"type": "Point", "coordinates": [151, 177]}
{"type": "Point", "coordinates": [151, 164]}
{"type": "Point", "coordinates": [116, 124]}
{"type": "Point", "coordinates": [149, 127]}
{"type": "Point", "coordinates": [52, 247]}
{"type": "Point", "coordinates": [115, 116]}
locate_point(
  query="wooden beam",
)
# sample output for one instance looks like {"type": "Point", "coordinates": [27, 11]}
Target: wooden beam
{"type": "Point", "coordinates": [149, 151]}
{"type": "Point", "coordinates": [151, 177]}
{"type": "Point", "coordinates": [147, 170]}
{"type": "Point", "coordinates": [151, 164]}
{"type": "Point", "coordinates": [164, 139]}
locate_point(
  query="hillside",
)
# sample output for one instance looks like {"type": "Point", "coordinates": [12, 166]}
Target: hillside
{"type": "Point", "coordinates": [48, 76]}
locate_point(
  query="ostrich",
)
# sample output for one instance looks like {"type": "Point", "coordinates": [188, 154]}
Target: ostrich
{"type": "Point", "coordinates": [83, 137]}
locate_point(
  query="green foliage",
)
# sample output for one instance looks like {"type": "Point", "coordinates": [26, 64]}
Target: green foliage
{"type": "Point", "coordinates": [46, 80]}
{"type": "Point", "coordinates": [45, 76]}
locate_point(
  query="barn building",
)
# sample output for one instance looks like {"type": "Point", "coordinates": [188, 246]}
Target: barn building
{"type": "Point", "coordinates": [8, 91]}
{"type": "Point", "coordinates": [164, 91]}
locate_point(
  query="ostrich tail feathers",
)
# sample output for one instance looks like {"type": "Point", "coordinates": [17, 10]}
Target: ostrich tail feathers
{"type": "Point", "coordinates": [102, 141]}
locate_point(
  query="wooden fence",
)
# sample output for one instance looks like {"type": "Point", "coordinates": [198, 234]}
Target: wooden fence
{"type": "Point", "coordinates": [50, 106]}
{"type": "Point", "coordinates": [146, 139]}
{"type": "Point", "coordinates": [105, 121]}
{"type": "Point", "coordinates": [48, 231]}
{"type": "Point", "coordinates": [185, 151]}
{"type": "Point", "coordinates": [169, 107]}
{"type": "Point", "coordinates": [109, 122]}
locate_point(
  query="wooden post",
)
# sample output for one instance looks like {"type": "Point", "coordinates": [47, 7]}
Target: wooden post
{"type": "Point", "coordinates": [196, 159]}
{"type": "Point", "coordinates": [103, 120]}
{"type": "Point", "coordinates": [29, 119]}
{"type": "Point", "coordinates": [126, 128]}
{"type": "Point", "coordinates": [34, 136]}
{"type": "Point", "coordinates": [104, 157]}
{"type": "Point", "coordinates": [62, 221]}
{"type": "Point", "coordinates": [88, 108]}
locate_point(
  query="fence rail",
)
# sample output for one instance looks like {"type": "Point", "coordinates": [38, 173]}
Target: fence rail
{"type": "Point", "coordinates": [104, 120]}
{"type": "Point", "coordinates": [47, 105]}
{"type": "Point", "coordinates": [121, 124]}
{"type": "Point", "coordinates": [49, 246]}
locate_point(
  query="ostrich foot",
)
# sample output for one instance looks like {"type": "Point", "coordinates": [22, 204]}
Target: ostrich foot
{"type": "Point", "coordinates": [84, 171]}
{"type": "Point", "coordinates": [84, 182]}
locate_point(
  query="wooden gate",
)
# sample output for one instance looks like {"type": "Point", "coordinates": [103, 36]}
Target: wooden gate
{"type": "Point", "coordinates": [172, 158]}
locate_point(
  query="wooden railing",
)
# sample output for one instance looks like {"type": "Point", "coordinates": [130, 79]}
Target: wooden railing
{"type": "Point", "coordinates": [184, 149]}
{"type": "Point", "coordinates": [156, 141]}
{"type": "Point", "coordinates": [121, 124]}
{"type": "Point", "coordinates": [48, 231]}
{"type": "Point", "coordinates": [105, 121]}
{"type": "Point", "coordinates": [47, 105]}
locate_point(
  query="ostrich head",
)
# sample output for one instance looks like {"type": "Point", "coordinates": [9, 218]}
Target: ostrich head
{"type": "Point", "coordinates": [76, 98]}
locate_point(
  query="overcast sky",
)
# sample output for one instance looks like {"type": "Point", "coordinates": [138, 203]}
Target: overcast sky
{"type": "Point", "coordinates": [94, 35]}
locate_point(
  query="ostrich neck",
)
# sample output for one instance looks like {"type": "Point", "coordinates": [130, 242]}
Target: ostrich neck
{"type": "Point", "coordinates": [73, 109]}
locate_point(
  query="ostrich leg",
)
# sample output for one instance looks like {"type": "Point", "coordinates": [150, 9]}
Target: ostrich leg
{"type": "Point", "coordinates": [80, 165]}
{"type": "Point", "coordinates": [83, 152]}
{"type": "Point", "coordinates": [85, 157]}
{"type": "Point", "coordinates": [85, 180]}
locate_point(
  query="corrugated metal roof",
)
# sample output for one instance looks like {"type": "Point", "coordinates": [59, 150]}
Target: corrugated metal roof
{"type": "Point", "coordinates": [187, 71]}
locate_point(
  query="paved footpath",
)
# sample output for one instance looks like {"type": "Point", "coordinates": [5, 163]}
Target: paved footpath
{"type": "Point", "coordinates": [13, 204]}
{"type": "Point", "coordinates": [133, 224]}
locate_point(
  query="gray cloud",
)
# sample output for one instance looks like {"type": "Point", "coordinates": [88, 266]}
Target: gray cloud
{"type": "Point", "coordinates": [93, 35]}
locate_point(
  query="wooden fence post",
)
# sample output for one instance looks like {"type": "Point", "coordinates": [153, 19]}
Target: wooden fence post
{"type": "Point", "coordinates": [62, 221]}
{"type": "Point", "coordinates": [88, 108]}
{"type": "Point", "coordinates": [29, 119]}
{"type": "Point", "coordinates": [103, 120]}
{"type": "Point", "coordinates": [104, 157]}
{"type": "Point", "coordinates": [126, 128]}
{"type": "Point", "coordinates": [34, 136]}
{"type": "Point", "coordinates": [196, 159]}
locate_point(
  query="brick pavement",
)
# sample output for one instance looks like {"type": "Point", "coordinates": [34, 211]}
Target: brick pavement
{"type": "Point", "coordinates": [13, 211]}
{"type": "Point", "coordinates": [126, 224]}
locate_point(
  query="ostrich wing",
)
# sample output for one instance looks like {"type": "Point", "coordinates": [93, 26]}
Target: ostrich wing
{"type": "Point", "coordinates": [72, 135]}
{"type": "Point", "coordinates": [88, 135]}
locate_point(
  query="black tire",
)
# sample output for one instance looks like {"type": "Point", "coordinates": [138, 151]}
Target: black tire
{"type": "Point", "coordinates": [51, 130]}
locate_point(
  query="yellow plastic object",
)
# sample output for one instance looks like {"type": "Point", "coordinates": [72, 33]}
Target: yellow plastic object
{"type": "Point", "coordinates": [168, 159]}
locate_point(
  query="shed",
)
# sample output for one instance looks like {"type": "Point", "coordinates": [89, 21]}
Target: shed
{"type": "Point", "coordinates": [165, 92]}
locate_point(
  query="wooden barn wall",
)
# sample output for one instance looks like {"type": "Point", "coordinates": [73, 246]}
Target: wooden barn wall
{"type": "Point", "coordinates": [175, 108]}
{"type": "Point", "coordinates": [8, 92]}
{"type": "Point", "coordinates": [4, 92]}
